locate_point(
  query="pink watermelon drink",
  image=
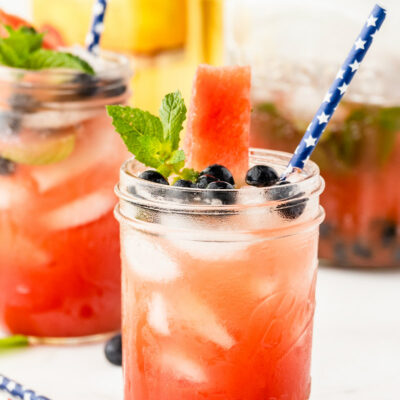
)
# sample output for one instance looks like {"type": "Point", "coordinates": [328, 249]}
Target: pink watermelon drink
{"type": "Point", "coordinates": [218, 277]}
{"type": "Point", "coordinates": [59, 249]}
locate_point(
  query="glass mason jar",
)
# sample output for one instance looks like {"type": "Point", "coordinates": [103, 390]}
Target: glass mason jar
{"type": "Point", "coordinates": [359, 153]}
{"type": "Point", "coordinates": [218, 286]}
{"type": "Point", "coordinates": [59, 159]}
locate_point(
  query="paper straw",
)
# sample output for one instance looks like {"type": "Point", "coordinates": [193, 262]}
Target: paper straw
{"type": "Point", "coordinates": [17, 391]}
{"type": "Point", "coordinates": [337, 90]}
{"type": "Point", "coordinates": [97, 27]}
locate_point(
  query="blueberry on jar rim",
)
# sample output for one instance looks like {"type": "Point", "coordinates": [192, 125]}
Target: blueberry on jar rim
{"type": "Point", "coordinates": [294, 205]}
{"type": "Point", "coordinates": [261, 176]}
{"type": "Point", "coordinates": [7, 167]}
{"type": "Point", "coordinates": [204, 180]}
{"type": "Point", "coordinates": [220, 172]}
{"type": "Point", "coordinates": [184, 183]}
{"type": "Point", "coordinates": [153, 176]}
{"type": "Point", "coordinates": [215, 192]}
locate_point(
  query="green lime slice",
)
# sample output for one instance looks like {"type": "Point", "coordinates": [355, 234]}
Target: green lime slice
{"type": "Point", "coordinates": [48, 151]}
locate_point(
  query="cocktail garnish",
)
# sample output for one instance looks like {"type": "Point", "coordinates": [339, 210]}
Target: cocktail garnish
{"type": "Point", "coordinates": [154, 141]}
{"type": "Point", "coordinates": [23, 49]}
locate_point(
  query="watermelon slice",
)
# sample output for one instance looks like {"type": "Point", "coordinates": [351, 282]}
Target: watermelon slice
{"type": "Point", "coordinates": [218, 123]}
{"type": "Point", "coordinates": [52, 38]}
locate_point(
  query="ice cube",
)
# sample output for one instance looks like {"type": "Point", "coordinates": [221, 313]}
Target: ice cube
{"type": "Point", "coordinates": [22, 251]}
{"type": "Point", "coordinates": [183, 367]}
{"type": "Point", "coordinates": [81, 211]}
{"type": "Point", "coordinates": [147, 258]}
{"type": "Point", "coordinates": [157, 316]}
{"type": "Point", "coordinates": [11, 193]}
{"type": "Point", "coordinates": [197, 316]}
{"type": "Point", "coordinates": [212, 251]}
{"type": "Point", "coordinates": [55, 119]}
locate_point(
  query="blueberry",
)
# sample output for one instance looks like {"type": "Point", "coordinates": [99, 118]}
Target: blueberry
{"type": "Point", "coordinates": [10, 122]}
{"type": "Point", "coordinates": [340, 253]}
{"type": "Point", "coordinates": [389, 233]}
{"type": "Point", "coordinates": [113, 350]}
{"type": "Point", "coordinates": [397, 255]}
{"type": "Point", "coordinates": [325, 230]}
{"type": "Point", "coordinates": [204, 180]}
{"type": "Point", "coordinates": [220, 172]}
{"type": "Point", "coordinates": [261, 176]}
{"type": "Point", "coordinates": [23, 102]}
{"type": "Point", "coordinates": [87, 84]}
{"type": "Point", "coordinates": [361, 250]}
{"type": "Point", "coordinates": [292, 208]}
{"type": "Point", "coordinates": [224, 198]}
{"type": "Point", "coordinates": [153, 176]}
{"type": "Point", "coordinates": [184, 183]}
{"type": "Point", "coordinates": [7, 167]}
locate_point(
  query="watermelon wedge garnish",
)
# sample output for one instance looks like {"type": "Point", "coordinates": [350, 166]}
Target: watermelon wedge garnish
{"type": "Point", "coordinates": [51, 40]}
{"type": "Point", "coordinates": [218, 124]}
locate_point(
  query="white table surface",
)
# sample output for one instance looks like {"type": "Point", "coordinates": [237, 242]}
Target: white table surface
{"type": "Point", "coordinates": [356, 347]}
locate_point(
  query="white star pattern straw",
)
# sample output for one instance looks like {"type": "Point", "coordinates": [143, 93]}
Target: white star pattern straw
{"type": "Point", "coordinates": [97, 27]}
{"type": "Point", "coordinates": [359, 44]}
{"type": "Point", "coordinates": [337, 90]}
{"type": "Point", "coordinates": [17, 391]}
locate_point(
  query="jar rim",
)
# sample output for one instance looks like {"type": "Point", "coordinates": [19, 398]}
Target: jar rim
{"type": "Point", "coordinates": [130, 184]}
{"type": "Point", "coordinates": [66, 79]}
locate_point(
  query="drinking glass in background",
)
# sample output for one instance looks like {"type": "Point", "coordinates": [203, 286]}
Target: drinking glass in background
{"type": "Point", "coordinates": [359, 154]}
{"type": "Point", "coordinates": [59, 242]}
{"type": "Point", "coordinates": [218, 300]}
{"type": "Point", "coordinates": [166, 40]}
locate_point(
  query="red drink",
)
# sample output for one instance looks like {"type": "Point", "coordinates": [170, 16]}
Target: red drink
{"type": "Point", "coordinates": [359, 157]}
{"type": "Point", "coordinates": [59, 249]}
{"type": "Point", "coordinates": [218, 300]}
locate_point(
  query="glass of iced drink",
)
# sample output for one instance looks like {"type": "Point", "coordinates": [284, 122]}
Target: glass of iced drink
{"type": "Point", "coordinates": [359, 158]}
{"type": "Point", "coordinates": [218, 286]}
{"type": "Point", "coordinates": [59, 247]}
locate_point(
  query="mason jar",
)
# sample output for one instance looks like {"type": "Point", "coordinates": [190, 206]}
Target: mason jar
{"type": "Point", "coordinates": [218, 286]}
{"type": "Point", "coordinates": [59, 160]}
{"type": "Point", "coordinates": [359, 153]}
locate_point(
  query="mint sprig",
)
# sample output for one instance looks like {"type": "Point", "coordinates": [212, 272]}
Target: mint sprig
{"type": "Point", "coordinates": [154, 141]}
{"type": "Point", "coordinates": [23, 49]}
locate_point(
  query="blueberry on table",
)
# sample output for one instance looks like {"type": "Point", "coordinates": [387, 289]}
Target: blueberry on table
{"type": "Point", "coordinates": [261, 176]}
{"type": "Point", "coordinates": [224, 198]}
{"type": "Point", "coordinates": [7, 167]}
{"type": "Point", "coordinates": [204, 180]}
{"type": "Point", "coordinates": [113, 350]}
{"type": "Point", "coordinates": [184, 183]}
{"type": "Point", "coordinates": [220, 172]}
{"type": "Point", "coordinates": [153, 176]}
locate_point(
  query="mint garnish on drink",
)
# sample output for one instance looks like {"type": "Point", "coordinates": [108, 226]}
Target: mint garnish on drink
{"type": "Point", "coordinates": [23, 49]}
{"type": "Point", "coordinates": [154, 141]}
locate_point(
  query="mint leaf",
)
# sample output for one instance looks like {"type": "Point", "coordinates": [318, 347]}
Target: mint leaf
{"type": "Point", "coordinates": [177, 157]}
{"type": "Point", "coordinates": [152, 140]}
{"type": "Point", "coordinates": [47, 59]}
{"type": "Point", "coordinates": [13, 341]}
{"type": "Point", "coordinates": [22, 49]}
{"type": "Point", "coordinates": [142, 133]}
{"type": "Point", "coordinates": [189, 174]}
{"type": "Point", "coordinates": [172, 114]}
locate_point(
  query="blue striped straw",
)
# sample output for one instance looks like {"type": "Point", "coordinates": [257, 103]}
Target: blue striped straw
{"type": "Point", "coordinates": [337, 90]}
{"type": "Point", "coordinates": [17, 391]}
{"type": "Point", "coordinates": [94, 35]}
